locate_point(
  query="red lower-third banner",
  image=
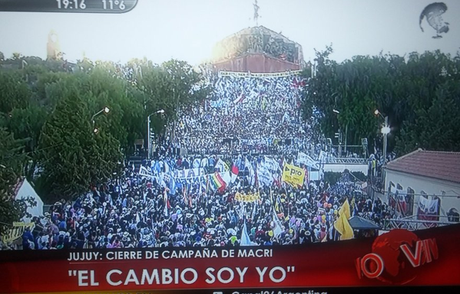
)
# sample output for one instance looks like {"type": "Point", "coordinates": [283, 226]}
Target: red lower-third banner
{"type": "Point", "coordinates": [398, 258]}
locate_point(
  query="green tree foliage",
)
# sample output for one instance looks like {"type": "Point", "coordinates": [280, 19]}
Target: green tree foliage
{"type": "Point", "coordinates": [412, 91]}
{"type": "Point", "coordinates": [44, 89]}
{"type": "Point", "coordinates": [12, 160]}
{"type": "Point", "coordinates": [26, 123]}
{"type": "Point", "coordinates": [435, 128]}
{"type": "Point", "coordinates": [346, 88]}
{"type": "Point", "coordinates": [168, 86]}
{"type": "Point", "coordinates": [14, 92]}
{"type": "Point", "coordinates": [183, 83]}
{"type": "Point", "coordinates": [49, 105]}
{"type": "Point", "coordinates": [85, 65]}
{"type": "Point", "coordinates": [20, 114]}
{"type": "Point", "coordinates": [71, 155]}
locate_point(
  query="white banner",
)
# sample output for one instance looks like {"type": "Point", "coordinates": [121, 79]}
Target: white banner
{"type": "Point", "coordinates": [429, 205]}
{"type": "Point", "coordinates": [250, 170]}
{"type": "Point", "coordinates": [221, 166]}
{"type": "Point", "coordinates": [307, 160]}
{"type": "Point", "coordinates": [188, 173]}
{"type": "Point", "coordinates": [264, 175]}
{"type": "Point", "coordinates": [145, 172]}
{"type": "Point", "coordinates": [261, 75]}
{"type": "Point", "coordinates": [271, 164]}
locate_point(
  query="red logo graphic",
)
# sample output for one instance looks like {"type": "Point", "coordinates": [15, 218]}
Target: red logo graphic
{"type": "Point", "coordinates": [396, 256]}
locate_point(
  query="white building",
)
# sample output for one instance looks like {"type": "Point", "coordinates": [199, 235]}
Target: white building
{"type": "Point", "coordinates": [425, 184]}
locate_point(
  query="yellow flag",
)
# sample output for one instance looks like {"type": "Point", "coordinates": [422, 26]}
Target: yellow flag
{"type": "Point", "coordinates": [345, 209]}
{"type": "Point", "coordinates": [341, 224]}
{"type": "Point", "coordinates": [347, 230]}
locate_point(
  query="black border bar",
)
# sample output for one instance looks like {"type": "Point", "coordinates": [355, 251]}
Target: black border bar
{"type": "Point", "coordinates": [73, 6]}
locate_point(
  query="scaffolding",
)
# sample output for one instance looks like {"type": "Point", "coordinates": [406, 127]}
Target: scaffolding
{"type": "Point", "coordinates": [412, 224]}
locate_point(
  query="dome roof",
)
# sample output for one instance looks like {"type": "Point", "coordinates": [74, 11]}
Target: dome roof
{"type": "Point", "coordinates": [257, 40]}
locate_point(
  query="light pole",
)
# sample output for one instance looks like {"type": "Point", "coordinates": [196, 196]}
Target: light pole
{"type": "Point", "coordinates": [103, 110]}
{"type": "Point", "coordinates": [340, 136]}
{"type": "Point", "coordinates": [149, 144]}
{"type": "Point", "coordinates": [385, 130]}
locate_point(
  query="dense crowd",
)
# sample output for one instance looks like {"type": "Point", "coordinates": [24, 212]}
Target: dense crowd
{"type": "Point", "coordinates": [248, 114]}
{"type": "Point", "coordinates": [139, 212]}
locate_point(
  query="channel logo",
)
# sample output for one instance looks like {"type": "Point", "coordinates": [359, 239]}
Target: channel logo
{"type": "Point", "coordinates": [396, 257]}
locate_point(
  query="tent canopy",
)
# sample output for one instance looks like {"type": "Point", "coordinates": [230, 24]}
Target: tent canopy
{"type": "Point", "coordinates": [359, 223]}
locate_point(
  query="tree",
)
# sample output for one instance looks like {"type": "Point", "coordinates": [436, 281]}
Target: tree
{"type": "Point", "coordinates": [71, 155]}
{"type": "Point", "coordinates": [407, 90]}
{"type": "Point", "coordinates": [344, 88]}
{"type": "Point", "coordinates": [51, 107]}
{"type": "Point", "coordinates": [26, 124]}
{"type": "Point", "coordinates": [168, 86]}
{"type": "Point", "coordinates": [183, 83]}
{"type": "Point", "coordinates": [44, 89]}
{"type": "Point", "coordinates": [14, 92]}
{"type": "Point", "coordinates": [435, 128]}
{"type": "Point", "coordinates": [11, 162]}
{"type": "Point", "coordinates": [85, 65]}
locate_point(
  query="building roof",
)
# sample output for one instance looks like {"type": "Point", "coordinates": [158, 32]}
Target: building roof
{"type": "Point", "coordinates": [257, 40]}
{"type": "Point", "coordinates": [439, 165]}
{"type": "Point", "coordinates": [359, 223]}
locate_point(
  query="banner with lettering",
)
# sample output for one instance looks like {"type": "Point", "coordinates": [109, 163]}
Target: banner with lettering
{"type": "Point", "coordinates": [16, 231]}
{"type": "Point", "coordinates": [249, 197]}
{"type": "Point", "coordinates": [399, 257]}
{"type": "Point", "coordinates": [293, 175]}
{"type": "Point", "coordinates": [188, 174]}
{"type": "Point", "coordinates": [253, 74]}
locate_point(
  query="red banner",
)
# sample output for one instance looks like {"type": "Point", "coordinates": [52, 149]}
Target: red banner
{"type": "Point", "coordinates": [423, 258]}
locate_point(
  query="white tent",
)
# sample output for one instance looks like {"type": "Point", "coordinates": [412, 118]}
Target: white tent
{"type": "Point", "coordinates": [24, 190]}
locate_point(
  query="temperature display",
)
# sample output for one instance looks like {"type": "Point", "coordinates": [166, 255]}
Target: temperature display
{"type": "Point", "coordinates": [72, 6]}
{"type": "Point", "coordinates": [113, 4]}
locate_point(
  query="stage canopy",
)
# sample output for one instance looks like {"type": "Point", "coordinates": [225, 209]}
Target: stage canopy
{"type": "Point", "coordinates": [359, 223]}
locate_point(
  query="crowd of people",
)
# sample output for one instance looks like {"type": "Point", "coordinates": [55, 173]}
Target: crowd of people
{"type": "Point", "coordinates": [138, 213]}
{"type": "Point", "coordinates": [246, 114]}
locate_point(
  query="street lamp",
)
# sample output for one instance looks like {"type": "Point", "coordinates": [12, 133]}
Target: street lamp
{"type": "Point", "coordinates": [338, 135]}
{"type": "Point", "coordinates": [103, 110]}
{"type": "Point", "coordinates": [385, 130]}
{"type": "Point", "coordinates": [149, 144]}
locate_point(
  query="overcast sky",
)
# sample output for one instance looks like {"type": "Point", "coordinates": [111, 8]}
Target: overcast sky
{"type": "Point", "coordinates": [188, 29]}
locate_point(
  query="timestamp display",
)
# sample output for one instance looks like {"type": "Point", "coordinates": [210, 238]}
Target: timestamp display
{"type": "Point", "coordinates": [69, 6]}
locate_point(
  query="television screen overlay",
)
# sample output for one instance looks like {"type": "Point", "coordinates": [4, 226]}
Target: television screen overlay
{"type": "Point", "coordinates": [245, 146]}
